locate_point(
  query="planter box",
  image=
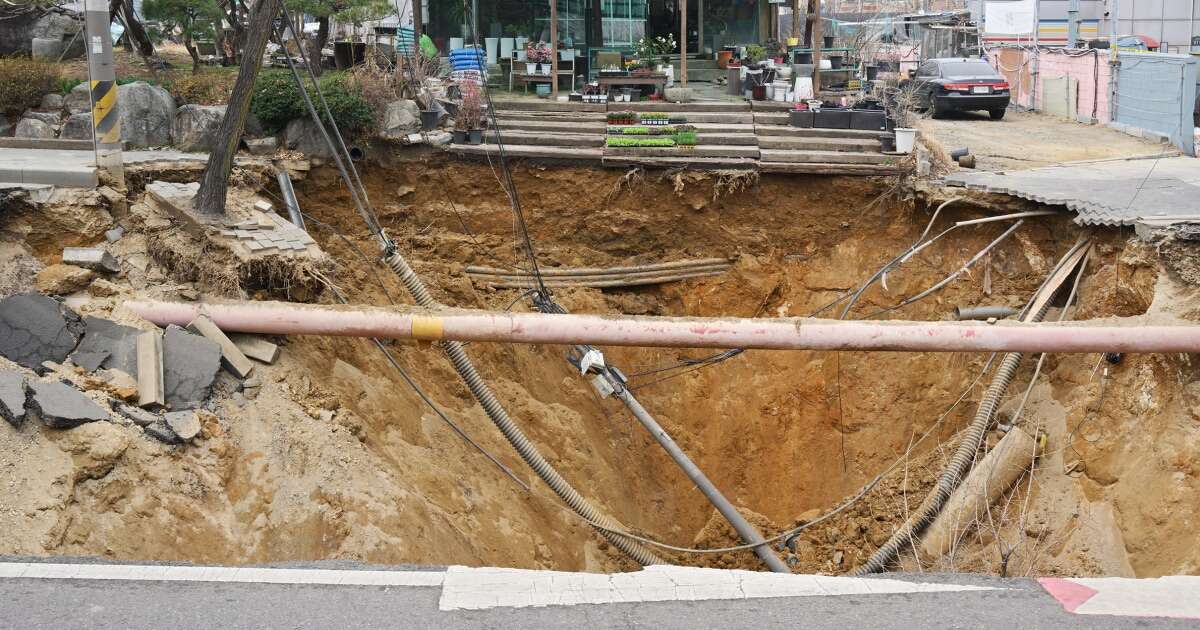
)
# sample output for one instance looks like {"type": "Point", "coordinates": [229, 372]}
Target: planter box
{"type": "Point", "coordinates": [871, 120]}
{"type": "Point", "coordinates": [832, 119]}
{"type": "Point", "coordinates": [801, 118]}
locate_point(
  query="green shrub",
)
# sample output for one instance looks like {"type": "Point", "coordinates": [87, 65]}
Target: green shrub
{"type": "Point", "coordinates": [66, 84]}
{"type": "Point", "coordinates": [685, 138]}
{"type": "Point", "coordinates": [24, 81]}
{"type": "Point", "coordinates": [276, 101]}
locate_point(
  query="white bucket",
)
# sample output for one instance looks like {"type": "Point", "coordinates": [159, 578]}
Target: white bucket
{"type": "Point", "coordinates": [493, 50]}
{"type": "Point", "coordinates": [507, 46]}
{"type": "Point", "coordinates": [905, 138]}
{"type": "Point", "coordinates": [769, 92]}
{"type": "Point", "coordinates": [826, 64]}
{"type": "Point", "coordinates": [803, 89]}
{"type": "Point", "coordinates": [456, 43]}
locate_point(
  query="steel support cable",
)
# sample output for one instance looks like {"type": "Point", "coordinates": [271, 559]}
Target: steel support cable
{"type": "Point", "coordinates": [964, 455]}
{"type": "Point", "coordinates": [471, 377]}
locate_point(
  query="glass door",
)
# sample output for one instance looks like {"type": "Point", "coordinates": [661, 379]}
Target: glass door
{"type": "Point", "coordinates": [623, 22]}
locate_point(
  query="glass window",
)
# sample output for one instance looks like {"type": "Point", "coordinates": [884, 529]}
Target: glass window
{"type": "Point", "coordinates": [967, 68]}
{"type": "Point", "coordinates": [928, 69]}
{"type": "Point", "coordinates": [623, 22]}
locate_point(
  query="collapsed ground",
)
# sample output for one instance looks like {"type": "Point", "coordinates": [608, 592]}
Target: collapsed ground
{"type": "Point", "coordinates": [337, 458]}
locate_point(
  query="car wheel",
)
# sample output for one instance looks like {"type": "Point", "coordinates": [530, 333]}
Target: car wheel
{"type": "Point", "coordinates": [997, 114]}
{"type": "Point", "coordinates": [935, 111]}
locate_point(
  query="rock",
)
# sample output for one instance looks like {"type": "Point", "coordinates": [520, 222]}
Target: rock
{"type": "Point", "coordinates": [54, 119]}
{"type": "Point", "coordinates": [140, 417]}
{"type": "Point", "coordinates": [438, 138]}
{"type": "Point", "coordinates": [12, 398]}
{"type": "Point", "coordinates": [60, 406]}
{"type": "Point", "coordinates": [79, 99]}
{"type": "Point", "coordinates": [46, 48]}
{"type": "Point", "coordinates": [77, 127]}
{"type": "Point", "coordinates": [17, 31]}
{"type": "Point", "coordinates": [147, 114]}
{"type": "Point", "coordinates": [195, 127]}
{"type": "Point", "coordinates": [303, 136]}
{"type": "Point", "coordinates": [262, 146]}
{"type": "Point", "coordinates": [115, 383]}
{"type": "Point", "coordinates": [33, 128]}
{"type": "Point", "coordinates": [115, 234]}
{"type": "Point", "coordinates": [190, 364]}
{"type": "Point", "coordinates": [92, 258]}
{"type": "Point", "coordinates": [103, 288]}
{"type": "Point", "coordinates": [679, 94]}
{"type": "Point", "coordinates": [161, 432]}
{"type": "Point", "coordinates": [62, 279]}
{"type": "Point", "coordinates": [118, 343]}
{"type": "Point", "coordinates": [35, 329]}
{"type": "Point", "coordinates": [401, 118]}
{"type": "Point", "coordinates": [184, 424]}
{"type": "Point", "coordinates": [53, 102]}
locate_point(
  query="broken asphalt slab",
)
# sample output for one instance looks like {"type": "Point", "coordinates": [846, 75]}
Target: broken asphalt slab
{"type": "Point", "coordinates": [60, 406]}
{"type": "Point", "coordinates": [190, 364]}
{"type": "Point", "coordinates": [12, 398]}
{"type": "Point", "coordinates": [117, 342]}
{"type": "Point", "coordinates": [35, 329]}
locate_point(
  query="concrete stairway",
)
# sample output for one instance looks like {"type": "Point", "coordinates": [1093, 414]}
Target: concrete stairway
{"type": "Point", "coordinates": [544, 129]}
{"type": "Point", "coordinates": [787, 149]}
{"type": "Point", "coordinates": [700, 68]}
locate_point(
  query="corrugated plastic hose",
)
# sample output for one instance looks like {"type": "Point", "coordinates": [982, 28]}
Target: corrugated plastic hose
{"type": "Point", "coordinates": [512, 432]}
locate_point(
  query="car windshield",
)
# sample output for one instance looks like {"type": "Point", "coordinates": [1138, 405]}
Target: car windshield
{"type": "Point", "coordinates": [955, 69]}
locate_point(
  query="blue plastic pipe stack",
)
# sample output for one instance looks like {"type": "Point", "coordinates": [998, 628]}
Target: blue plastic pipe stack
{"type": "Point", "coordinates": [469, 58]}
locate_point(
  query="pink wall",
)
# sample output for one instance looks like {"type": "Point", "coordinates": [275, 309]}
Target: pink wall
{"type": "Point", "coordinates": [1090, 71]}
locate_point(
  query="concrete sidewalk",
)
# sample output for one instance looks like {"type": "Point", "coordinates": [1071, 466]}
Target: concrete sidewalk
{"type": "Point", "coordinates": [73, 169]}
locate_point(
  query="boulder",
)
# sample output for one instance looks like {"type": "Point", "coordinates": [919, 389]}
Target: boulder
{"type": "Point", "coordinates": [55, 28]}
{"type": "Point", "coordinates": [77, 127]}
{"type": "Point", "coordinates": [401, 118]}
{"type": "Point", "coordinates": [62, 279]}
{"type": "Point", "coordinates": [262, 146]}
{"type": "Point", "coordinates": [79, 99]}
{"type": "Point", "coordinates": [195, 127]}
{"type": "Point", "coordinates": [34, 128]}
{"type": "Point", "coordinates": [12, 397]}
{"type": "Point", "coordinates": [46, 48]}
{"type": "Point", "coordinates": [52, 102]}
{"type": "Point", "coordinates": [147, 113]}
{"type": "Point", "coordinates": [60, 406]}
{"type": "Point", "coordinates": [303, 136]}
{"type": "Point", "coordinates": [54, 119]}
{"type": "Point", "coordinates": [35, 329]}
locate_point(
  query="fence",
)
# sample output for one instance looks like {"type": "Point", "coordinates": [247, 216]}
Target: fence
{"type": "Point", "coordinates": [1158, 92]}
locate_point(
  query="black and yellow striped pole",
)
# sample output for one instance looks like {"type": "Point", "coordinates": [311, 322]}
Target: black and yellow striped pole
{"type": "Point", "coordinates": [106, 114]}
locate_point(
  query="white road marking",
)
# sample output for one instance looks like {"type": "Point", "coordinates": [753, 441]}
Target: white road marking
{"type": "Point", "coordinates": [168, 573]}
{"type": "Point", "coordinates": [1172, 596]}
{"type": "Point", "coordinates": [467, 588]}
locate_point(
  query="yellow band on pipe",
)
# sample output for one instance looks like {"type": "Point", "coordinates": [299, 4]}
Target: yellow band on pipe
{"type": "Point", "coordinates": [427, 328]}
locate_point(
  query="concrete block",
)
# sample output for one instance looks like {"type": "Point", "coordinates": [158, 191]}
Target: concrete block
{"type": "Point", "coordinates": [35, 329]}
{"type": "Point", "coordinates": [264, 206]}
{"type": "Point", "coordinates": [12, 398]}
{"type": "Point", "coordinates": [184, 424]}
{"type": "Point", "coordinates": [60, 406]}
{"type": "Point", "coordinates": [190, 364]}
{"type": "Point", "coordinates": [140, 417]}
{"type": "Point", "coordinates": [150, 370]}
{"type": "Point", "coordinates": [92, 258]}
{"type": "Point", "coordinates": [61, 175]}
{"type": "Point", "coordinates": [232, 358]}
{"type": "Point", "coordinates": [255, 347]}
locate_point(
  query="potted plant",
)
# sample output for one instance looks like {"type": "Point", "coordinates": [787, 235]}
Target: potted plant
{"type": "Point", "coordinates": [755, 54]}
{"type": "Point", "coordinates": [900, 104]}
{"type": "Point", "coordinates": [531, 57]}
{"type": "Point", "coordinates": [470, 113]}
{"type": "Point", "coordinates": [685, 139]}
{"type": "Point", "coordinates": [774, 50]}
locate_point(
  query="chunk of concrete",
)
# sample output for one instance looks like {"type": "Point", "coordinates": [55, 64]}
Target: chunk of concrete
{"type": "Point", "coordinates": [255, 347]}
{"type": "Point", "coordinates": [117, 342]}
{"type": "Point", "coordinates": [35, 329]}
{"type": "Point", "coordinates": [231, 357]}
{"type": "Point", "coordinates": [185, 424]}
{"type": "Point", "coordinates": [60, 406]}
{"type": "Point", "coordinates": [12, 398]}
{"type": "Point", "coordinates": [62, 279]}
{"type": "Point", "coordinates": [163, 433]}
{"type": "Point", "coordinates": [190, 364]}
{"type": "Point", "coordinates": [140, 417]}
{"type": "Point", "coordinates": [151, 389]}
{"type": "Point", "coordinates": [92, 258]}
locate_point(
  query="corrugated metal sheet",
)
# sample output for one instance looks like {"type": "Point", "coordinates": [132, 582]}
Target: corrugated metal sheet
{"type": "Point", "coordinates": [1157, 191]}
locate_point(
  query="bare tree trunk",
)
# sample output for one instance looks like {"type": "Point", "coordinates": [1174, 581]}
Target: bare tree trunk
{"type": "Point", "coordinates": [215, 183]}
{"type": "Point", "coordinates": [191, 48]}
{"type": "Point", "coordinates": [135, 31]}
{"type": "Point", "coordinates": [317, 44]}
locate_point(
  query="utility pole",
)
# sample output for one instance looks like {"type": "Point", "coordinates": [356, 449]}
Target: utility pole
{"type": "Point", "coordinates": [554, 49]}
{"type": "Point", "coordinates": [416, 4]}
{"type": "Point", "coordinates": [106, 113]}
{"type": "Point", "coordinates": [818, 37]}
{"type": "Point", "coordinates": [683, 31]}
{"type": "Point", "coordinates": [796, 20]}
{"type": "Point", "coordinates": [1073, 24]}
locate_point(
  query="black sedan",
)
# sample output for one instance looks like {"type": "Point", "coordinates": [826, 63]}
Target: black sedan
{"type": "Point", "coordinates": [960, 85]}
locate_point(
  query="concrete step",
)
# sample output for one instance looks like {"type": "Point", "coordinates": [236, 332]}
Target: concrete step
{"type": "Point", "coordinates": [552, 126]}
{"type": "Point", "coordinates": [814, 132]}
{"type": "Point", "coordinates": [734, 118]}
{"type": "Point", "coordinates": [700, 106]}
{"type": "Point", "coordinates": [746, 139]}
{"type": "Point", "coordinates": [771, 118]}
{"type": "Point", "coordinates": [693, 163]}
{"type": "Point", "coordinates": [828, 168]}
{"type": "Point", "coordinates": [540, 138]}
{"type": "Point", "coordinates": [829, 157]}
{"type": "Point", "coordinates": [542, 105]}
{"type": "Point", "coordinates": [707, 75]}
{"type": "Point", "coordinates": [817, 143]}
{"type": "Point", "coordinates": [723, 127]}
{"type": "Point", "coordinates": [700, 150]}
{"type": "Point", "coordinates": [550, 116]}
{"type": "Point", "coordinates": [531, 152]}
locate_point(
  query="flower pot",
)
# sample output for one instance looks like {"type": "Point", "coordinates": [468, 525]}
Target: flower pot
{"type": "Point", "coordinates": [759, 92]}
{"type": "Point", "coordinates": [872, 72]}
{"type": "Point", "coordinates": [832, 119]}
{"type": "Point", "coordinates": [475, 136]}
{"type": "Point", "coordinates": [905, 139]}
{"type": "Point", "coordinates": [871, 120]}
{"type": "Point", "coordinates": [531, 68]}
{"type": "Point", "coordinates": [507, 46]}
{"type": "Point", "coordinates": [827, 41]}
{"type": "Point", "coordinates": [802, 58]}
{"type": "Point", "coordinates": [777, 60]}
{"type": "Point", "coordinates": [723, 57]}
{"type": "Point", "coordinates": [492, 45]}
{"type": "Point", "coordinates": [520, 55]}
{"type": "Point", "coordinates": [544, 68]}
{"type": "Point", "coordinates": [456, 43]}
{"type": "Point", "coordinates": [429, 120]}
{"type": "Point", "coordinates": [800, 118]}
{"type": "Point", "coordinates": [835, 62]}
{"type": "Point", "coordinates": [793, 41]}
{"type": "Point", "coordinates": [460, 136]}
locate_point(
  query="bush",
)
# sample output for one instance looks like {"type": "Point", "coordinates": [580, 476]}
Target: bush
{"type": "Point", "coordinates": [24, 81]}
{"type": "Point", "coordinates": [204, 88]}
{"type": "Point", "coordinates": [66, 84]}
{"type": "Point", "coordinates": [277, 100]}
